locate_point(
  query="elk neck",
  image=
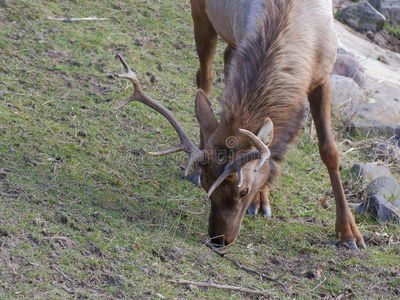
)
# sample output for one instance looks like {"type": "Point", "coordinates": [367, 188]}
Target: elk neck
{"type": "Point", "coordinates": [269, 76]}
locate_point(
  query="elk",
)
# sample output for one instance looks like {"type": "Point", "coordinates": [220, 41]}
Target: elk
{"type": "Point", "coordinates": [279, 53]}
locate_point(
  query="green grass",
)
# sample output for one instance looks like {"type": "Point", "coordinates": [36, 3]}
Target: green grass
{"type": "Point", "coordinates": [91, 216]}
{"type": "Point", "coordinates": [393, 29]}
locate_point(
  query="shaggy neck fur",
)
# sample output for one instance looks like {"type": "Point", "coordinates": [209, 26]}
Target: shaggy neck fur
{"type": "Point", "coordinates": [267, 76]}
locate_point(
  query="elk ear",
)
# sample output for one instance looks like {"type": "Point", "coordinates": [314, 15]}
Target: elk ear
{"type": "Point", "coordinates": [266, 132]}
{"type": "Point", "coordinates": [204, 114]}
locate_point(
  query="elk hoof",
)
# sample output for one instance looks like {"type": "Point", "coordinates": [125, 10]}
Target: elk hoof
{"type": "Point", "coordinates": [252, 210]}
{"type": "Point", "coordinates": [353, 246]}
{"type": "Point", "coordinates": [267, 212]}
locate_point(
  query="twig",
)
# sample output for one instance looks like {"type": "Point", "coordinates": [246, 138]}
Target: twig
{"type": "Point", "coordinates": [70, 20]}
{"type": "Point", "coordinates": [321, 282]}
{"type": "Point", "coordinates": [221, 286]}
{"type": "Point", "coordinates": [54, 238]}
{"type": "Point", "coordinates": [240, 266]}
{"type": "Point", "coordinates": [345, 296]}
{"type": "Point", "coordinates": [61, 272]}
{"type": "Point", "coordinates": [346, 125]}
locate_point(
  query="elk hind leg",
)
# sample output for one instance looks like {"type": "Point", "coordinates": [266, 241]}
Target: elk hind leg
{"type": "Point", "coordinates": [320, 100]}
{"type": "Point", "coordinates": [206, 41]}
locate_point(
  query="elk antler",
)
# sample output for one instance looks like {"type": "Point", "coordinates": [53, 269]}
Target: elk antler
{"type": "Point", "coordinates": [237, 165]}
{"type": "Point", "coordinates": [186, 144]}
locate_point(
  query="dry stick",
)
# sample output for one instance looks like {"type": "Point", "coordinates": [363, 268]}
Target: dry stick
{"type": "Point", "coordinates": [221, 286]}
{"type": "Point", "coordinates": [345, 296]}
{"type": "Point", "coordinates": [54, 238]}
{"type": "Point", "coordinates": [77, 19]}
{"type": "Point", "coordinates": [61, 272]}
{"type": "Point", "coordinates": [346, 125]}
{"type": "Point", "coordinates": [240, 266]}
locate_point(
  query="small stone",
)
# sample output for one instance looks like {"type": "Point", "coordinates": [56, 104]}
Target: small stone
{"type": "Point", "coordinates": [3, 232]}
{"type": "Point", "coordinates": [370, 35]}
{"type": "Point", "coordinates": [12, 150]}
{"type": "Point", "coordinates": [379, 208]}
{"type": "Point", "coordinates": [81, 133]}
{"type": "Point", "coordinates": [28, 161]}
{"type": "Point", "coordinates": [138, 42]}
{"type": "Point", "coordinates": [137, 152]}
{"type": "Point", "coordinates": [309, 275]}
{"type": "Point", "coordinates": [153, 79]}
{"type": "Point", "coordinates": [382, 59]}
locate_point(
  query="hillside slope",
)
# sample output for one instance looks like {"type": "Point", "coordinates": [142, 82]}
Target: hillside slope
{"type": "Point", "coordinates": [85, 213]}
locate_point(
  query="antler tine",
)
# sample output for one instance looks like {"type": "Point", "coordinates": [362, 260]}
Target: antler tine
{"type": "Point", "coordinates": [236, 166]}
{"type": "Point", "coordinates": [186, 144]}
{"type": "Point", "coordinates": [230, 169]}
{"type": "Point", "coordinates": [260, 146]}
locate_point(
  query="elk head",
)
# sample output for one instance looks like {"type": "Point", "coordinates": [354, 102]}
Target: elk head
{"type": "Point", "coordinates": [234, 162]}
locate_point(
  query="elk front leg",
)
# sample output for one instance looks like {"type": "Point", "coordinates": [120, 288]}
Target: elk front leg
{"type": "Point", "coordinates": [260, 203]}
{"type": "Point", "coordinates": [320, 101]}
{"type": "Point", "coordinates": [206, 41]}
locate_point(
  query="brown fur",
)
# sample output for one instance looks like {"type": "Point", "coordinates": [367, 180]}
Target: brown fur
{"type": "Point", "coordinates": [269, 77]}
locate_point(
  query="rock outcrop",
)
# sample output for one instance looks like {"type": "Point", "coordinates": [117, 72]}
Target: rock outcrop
{"type": "Point", "coordinates": [363, 16]}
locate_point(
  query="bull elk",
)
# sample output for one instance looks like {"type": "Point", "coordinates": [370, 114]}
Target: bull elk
{"type": "Point", "coordinates": [279, 52]}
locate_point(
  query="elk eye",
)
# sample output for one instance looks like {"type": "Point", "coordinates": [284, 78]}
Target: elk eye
{"type": "Point", "coordinates": [244, 192]}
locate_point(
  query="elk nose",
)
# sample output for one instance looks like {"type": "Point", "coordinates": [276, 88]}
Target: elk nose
{"type": "Point", "coordinates": [221, 241]}
{"type": "Point", "coordinates": [218, 241]}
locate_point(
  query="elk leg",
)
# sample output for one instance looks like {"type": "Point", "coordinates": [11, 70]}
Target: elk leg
{"type": "Point", "coordinates": [260, 203]}
{"type": "Point", "coordinates": [320, 101]}
{"type": "Point", "coordinates": [206, 41]}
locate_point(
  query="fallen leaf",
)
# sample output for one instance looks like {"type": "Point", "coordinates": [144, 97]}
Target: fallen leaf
{"type": "Point", "coordinates": [319, 272]}
{"type": "Point", "coordinates": [323, 202]}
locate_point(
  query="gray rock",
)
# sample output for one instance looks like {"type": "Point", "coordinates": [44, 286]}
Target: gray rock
{"type": "Point", "coordinates": [347, 65]}
{"type": "Point", "coordinates": [386, 187]}
{"type": "Point", "coordinates": [362, 16]}
{"type": "Point", "coordinates": [378, 118]}
{"type": "Point", "coordinates": [346, 94]}
{"type": "Point", "coordinates": [389, 8]}
{"type": "Point", "coordinates": [379, 208]}
{"type": "Point", "coordinates": [396, 203]}
{"type": "Point", "coordinates": [375, 4]}
{"type": "Point", "coordinates": [369, 172]}
{"type": "Point", "coordinates": [341, 50]}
